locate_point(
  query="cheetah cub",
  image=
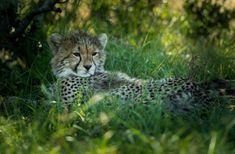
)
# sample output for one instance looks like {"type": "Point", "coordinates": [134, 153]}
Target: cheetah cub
{"type": "Point", "coordinates": [78, 63]}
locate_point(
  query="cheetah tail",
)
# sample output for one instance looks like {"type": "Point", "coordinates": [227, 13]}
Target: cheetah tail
{"type": "Point", "coordinates": [225, 88]}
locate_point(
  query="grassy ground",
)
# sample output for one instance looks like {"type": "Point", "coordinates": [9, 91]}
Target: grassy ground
{"type": "Point", "coordinates": [112, 126]}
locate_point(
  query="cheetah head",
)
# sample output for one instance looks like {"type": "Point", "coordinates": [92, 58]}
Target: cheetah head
{"type": "Point", "coordinates": [77, 54]}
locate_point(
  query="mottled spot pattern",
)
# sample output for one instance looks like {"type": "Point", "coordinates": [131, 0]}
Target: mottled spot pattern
{"type": "Point", "coordinates": [78, 63]}
{"type": "Point", "coordinates": [178, 95]}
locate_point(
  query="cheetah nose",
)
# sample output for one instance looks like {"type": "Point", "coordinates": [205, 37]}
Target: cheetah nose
{"type": "Point", "coordinates": [87, 67]}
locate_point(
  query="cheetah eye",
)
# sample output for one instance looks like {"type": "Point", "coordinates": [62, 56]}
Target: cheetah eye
{"type": "Point", "coordinates": [77, 54]}
{"type": "Point", "coordinates": [94, 53]}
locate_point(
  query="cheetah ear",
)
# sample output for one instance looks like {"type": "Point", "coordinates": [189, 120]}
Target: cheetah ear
{"type": "Point", "coordinates": [103, 39]}
{"type": "Point", "coordinates": [54, 42]}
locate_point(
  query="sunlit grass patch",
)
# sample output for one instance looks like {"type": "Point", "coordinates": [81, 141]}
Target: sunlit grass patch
{"type": "Point", "coordinates": [109, 125]}
{"type": "Point", "coordinates": [114, 126]}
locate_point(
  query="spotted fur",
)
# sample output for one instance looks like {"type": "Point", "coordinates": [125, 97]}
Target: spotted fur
{"type": "Point", "coordinates": [106, 81]}
{"type": "Point", "coordinates": [178, 95]}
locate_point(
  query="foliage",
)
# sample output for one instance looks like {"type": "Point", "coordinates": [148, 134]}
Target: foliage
{"type": "Point", "coordinates": [113, 126]}
{"type": "Point", "coordinates": [147, 39]}
{"type": "Point", "coordinates": [211, 18]}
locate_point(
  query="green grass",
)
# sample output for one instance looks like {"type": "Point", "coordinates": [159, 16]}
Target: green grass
{"type": "Point", "coordinates": [113, 126]}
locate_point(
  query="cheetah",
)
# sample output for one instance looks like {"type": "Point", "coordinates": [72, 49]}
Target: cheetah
{"type": "Point", "coordinates": [82, 56]}
{"type": "Point", "coordinates": [78, 63]}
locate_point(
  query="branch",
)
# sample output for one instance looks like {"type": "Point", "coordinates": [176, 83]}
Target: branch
{"type": "Point", "coordinates": [46, 6]}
